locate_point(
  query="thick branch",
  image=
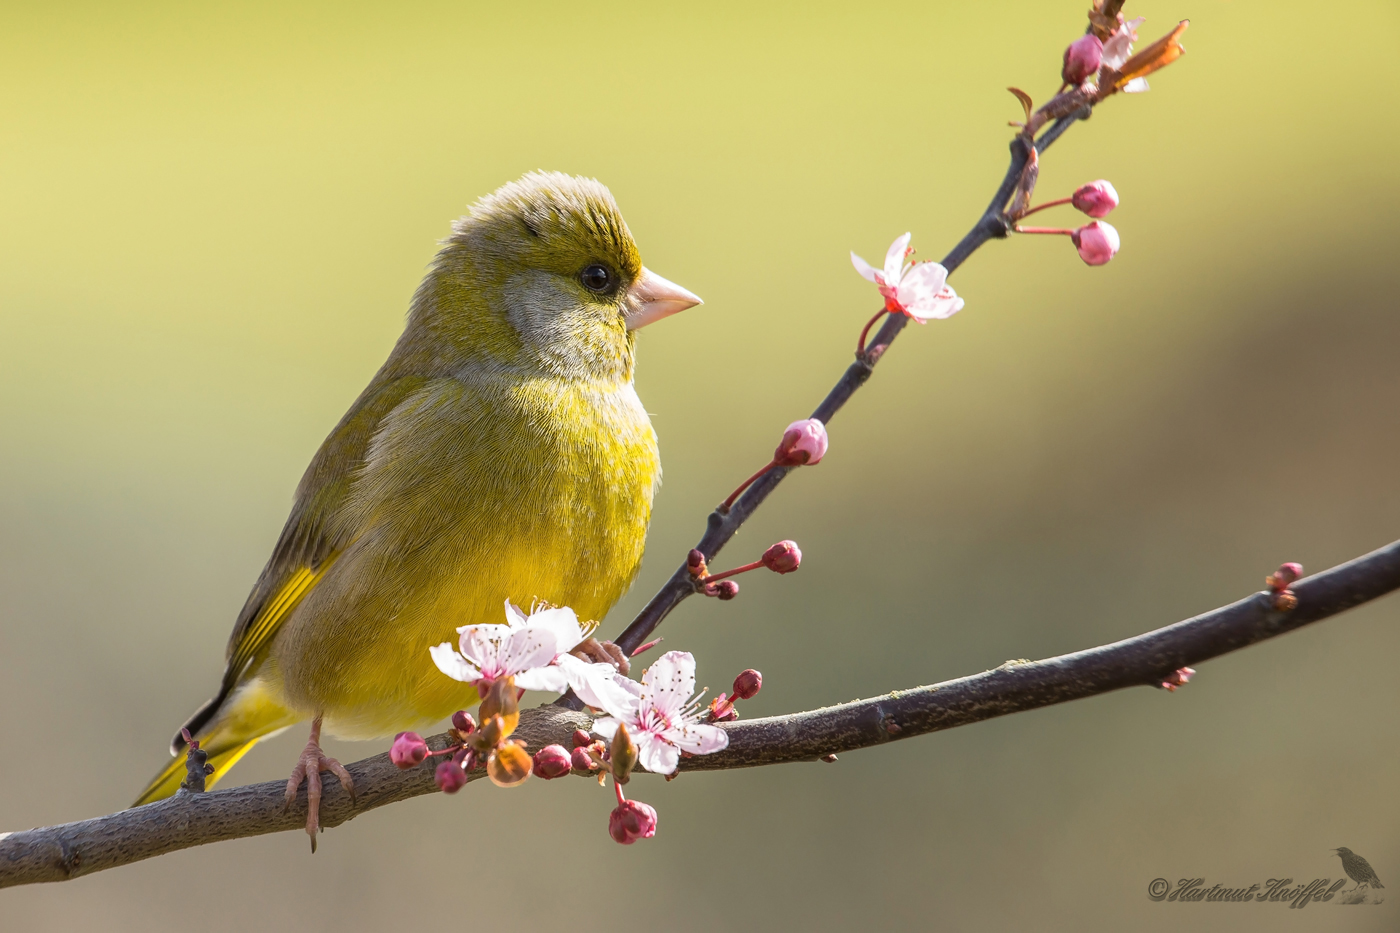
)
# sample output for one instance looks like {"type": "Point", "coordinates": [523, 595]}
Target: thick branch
{"type": "Point", "coordinates": [58, 853]}
{"type": "Point", "coordinates": [1018, 686]}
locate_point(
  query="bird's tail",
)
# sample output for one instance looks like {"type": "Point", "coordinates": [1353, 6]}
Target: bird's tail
{"type": "Point", "coordinates": [226, 729]}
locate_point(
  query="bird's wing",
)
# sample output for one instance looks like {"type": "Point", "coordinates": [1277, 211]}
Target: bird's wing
{"type": "Point", "coordinates": [313, 537]}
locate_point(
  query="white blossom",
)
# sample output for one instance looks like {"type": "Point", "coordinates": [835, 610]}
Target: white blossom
{"type": "Point", "coordinates": [918, 289]}
{"type": "Point", "coordinates": [533, 649]}
{"type": "Point", "coordinates": [660, 715]}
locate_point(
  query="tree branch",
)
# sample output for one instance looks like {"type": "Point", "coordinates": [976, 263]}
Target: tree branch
{"type": "Point", "coordinates": [58, 853]}
{"type": "Point", "coordinates": [724, 524]}
{"type": "Point", "coordinates": [194, 818]}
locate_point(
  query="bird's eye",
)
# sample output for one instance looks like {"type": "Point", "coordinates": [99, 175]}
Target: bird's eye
{"type": "Point", "coordinates": [597, 278]}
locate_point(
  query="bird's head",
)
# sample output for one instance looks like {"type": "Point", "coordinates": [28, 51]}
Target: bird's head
{"type": "Point", "coordinates": [1342, 851]}
{"type": "Point", "coordinates": [543, 275]}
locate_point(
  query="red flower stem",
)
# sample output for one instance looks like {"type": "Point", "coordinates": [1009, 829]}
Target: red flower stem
{"type": "Point", "coordinates": [728, 503]}
{"type": "Point", "coordinates": [618, 787]}
{"type": "Point", "coordinates": [1041, 207]}
{"type": "Point", "coordinates": [732, 573]}
{"type": "Point", "coordinates": [1060, 230]}
{"type": "Point", "coordinates": [446, 751]}
{"type": "Point", "coordinates": [865, 331]}
{"type": "Point", "coordinates": [647, 647]}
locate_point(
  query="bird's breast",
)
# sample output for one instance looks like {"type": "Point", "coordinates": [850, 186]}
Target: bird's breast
{"type": "Point", "coordinates": [472, 495]}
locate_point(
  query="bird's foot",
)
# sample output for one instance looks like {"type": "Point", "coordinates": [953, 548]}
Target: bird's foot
{"type": "Point", "coordinates": [309, 767]}
{"type": "Point", "coordinates": [591, 649]}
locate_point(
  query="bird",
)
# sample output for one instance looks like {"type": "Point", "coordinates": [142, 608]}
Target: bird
{"type": "Point", "coordinates": [501, 453]}
{"type": "Point", "coordinates": [1358, 869]}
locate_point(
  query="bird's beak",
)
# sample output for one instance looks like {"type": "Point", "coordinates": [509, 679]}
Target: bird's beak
{"type": "Point", "coordinates": [651, 298]}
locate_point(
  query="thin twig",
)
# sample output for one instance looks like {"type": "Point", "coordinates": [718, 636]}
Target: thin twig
{"type": "Point", "coordinates": [723, 524]}
{"type": "Point", "coordinates": [58, 853]}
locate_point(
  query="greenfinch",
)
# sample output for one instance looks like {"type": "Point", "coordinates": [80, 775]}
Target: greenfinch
{"type": "Point", "coordinates": [500, 453]}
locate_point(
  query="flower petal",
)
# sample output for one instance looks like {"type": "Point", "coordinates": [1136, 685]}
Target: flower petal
{"type": "Point", "coordinates": [526, 648]}
{"type": "Point", "coordinates": [481, 645]}
{"type": "Point", "coordinates": [1135, 86]}
{"type": "Point", "coordinates": [562, 622]}
{"type": "Point", "coordinates": [453, 664]}
{"type": "Point", "coordinates": [669, 683]}
{"type": "Point", "coordinates": [866, 270]}
{"type": "Point", "coordinates": [598, 685]}
{"type": "Point", "coordinates": [894, 259]}
{"type": "Point", "coordinates": [606, 727]}
{"type": "Point", "coordinates": [551, 678]}
{"type": "Point", "coordinates": [654, 753]}
{"type": "Point", "coordinates": [515, 616]}
{"type": "Point", "coordinates": [921, 283]}
{"type": "Point", "coordinates": [944, 305]}
{"type": "Point", "coordinates": [1120, 45]}
{"type": "Point", "coordinates": [699, 738]}
{"type": "Point", "coordinates": [924, 294]}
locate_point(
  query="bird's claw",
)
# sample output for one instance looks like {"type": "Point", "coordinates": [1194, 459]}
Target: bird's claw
{"type": "Point", "coordinates": [605, 652]}
{"type": "Point", "coordinates": [308, 768]}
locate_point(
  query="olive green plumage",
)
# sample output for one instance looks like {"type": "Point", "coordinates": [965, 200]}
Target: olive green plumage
{"type": "Point", "coordinates": [501, 452]}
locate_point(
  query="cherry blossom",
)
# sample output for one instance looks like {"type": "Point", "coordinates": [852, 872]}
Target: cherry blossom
{"type": "Point", "coordinates": [804, 443]}
{"type": "Point", "coordinates": [1082, 59]}
{"type": "Point", "coordinates": [408, 750]}
{"type": "Point", "coordinates": [661, 716]}
{"type": "Point", "coordinates": [1097, 198]}
{"type": "Point", "coordinates": [552, 762]}
{"type": "Point", "coordinates": [532, 649]}
{"type": "Point", "coordinates": [918, 289]}
{"type": "Point", "coordinates": [1097, 242]}
{"type": "Point", "coordinates": [631, 820]}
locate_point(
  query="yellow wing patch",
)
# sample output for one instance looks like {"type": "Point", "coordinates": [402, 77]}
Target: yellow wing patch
{"type": "Point", "coordinates": [272, 615]}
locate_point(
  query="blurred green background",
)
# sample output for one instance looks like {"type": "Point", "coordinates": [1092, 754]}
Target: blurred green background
{"type": "Point", "coordinates": [213, 219]}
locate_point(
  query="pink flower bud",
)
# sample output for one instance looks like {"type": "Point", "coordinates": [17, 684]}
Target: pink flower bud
{"type": "Point", "coordinates": [726, 589]}
{"type": "Point", "coordinates": [581, 761]}
{"type": "Point", "coordinates": [1082, 59]}
{"type": "Point", "coordinates": [1097, 242]}
{"type": "Point", "coordinates": [783, 557]}
{"type": "Point", "coordinates": [631, 820]}
{"type": "Point", "coordinates": [1097, 198]}
{"type": "Point", "coordinates": [1285, 576]}
{"type": "Point", "coordinates": [463, 722]}
{"type": "Point", "coordinates": [408, 750]}
{"type": "Point", "coordinates": [1178, 678]}
{"type": "Point", "coordinates": [804, 442]}
{"type": "Point", "coordinates": [747, 684]}
{"type": "Point", "coordinates": [582, 739]}
{"type": "Point", "coordinates": [450, 777]}
{"type": "Point", "coordinates": [552, 761]}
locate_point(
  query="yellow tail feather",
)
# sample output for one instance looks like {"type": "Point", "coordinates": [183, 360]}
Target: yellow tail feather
{"type": "Point", "coordinates": [169, 780]}
{"type": "Point", "coordinates": [243, 720]}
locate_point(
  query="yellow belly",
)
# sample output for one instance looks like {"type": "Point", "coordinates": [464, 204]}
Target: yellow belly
{"type": "Point", "coordinates": [546, 500]}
